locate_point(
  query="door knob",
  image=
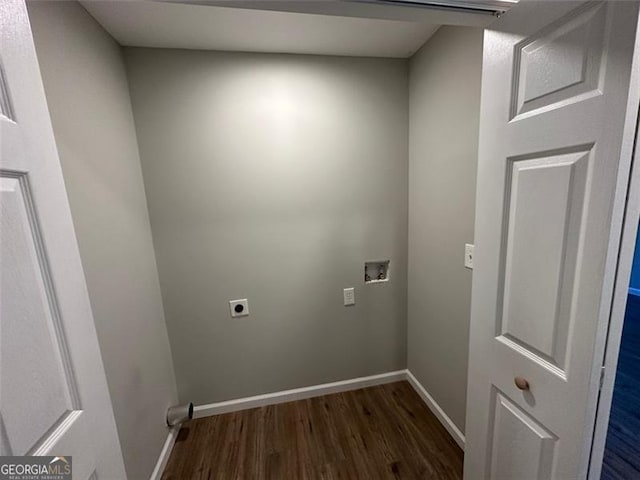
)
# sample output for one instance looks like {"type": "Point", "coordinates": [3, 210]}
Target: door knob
{"type": "Point", "coordinates": [521, 383]}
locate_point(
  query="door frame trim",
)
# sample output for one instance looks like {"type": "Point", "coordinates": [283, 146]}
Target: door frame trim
{"type": "Point", "coordinates": [624, 227]}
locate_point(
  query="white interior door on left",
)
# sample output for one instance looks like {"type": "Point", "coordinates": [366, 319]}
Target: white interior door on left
{"type": "Point", "coordinates": [53, 392]}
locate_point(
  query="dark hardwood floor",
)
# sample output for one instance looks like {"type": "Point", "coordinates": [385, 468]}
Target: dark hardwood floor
{"type": "Point", "coordinates": [382, 432]}
{"type": "Point", "coordinates": [622, 450]}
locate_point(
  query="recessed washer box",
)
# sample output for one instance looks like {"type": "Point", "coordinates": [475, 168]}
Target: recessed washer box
{"type": "Point", "coordinates": [376, 271]}
{"type": "Point", "coordinates": [239, 308]}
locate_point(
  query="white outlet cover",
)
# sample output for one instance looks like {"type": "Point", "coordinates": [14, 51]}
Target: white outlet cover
{"type": "Point", "coordinates": [349, 295]}
{"type": "Point", "coordinates": [239, 308]}
{"type": "Point", "coordinates": [468, 255]}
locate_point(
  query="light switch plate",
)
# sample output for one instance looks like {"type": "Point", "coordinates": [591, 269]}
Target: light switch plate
{"type": "Point", "coordinates": [239, 308]}
{"type": "Point", "coordinates": [468, 255]}
{"type": "Point", "coordinates": [349, 296]}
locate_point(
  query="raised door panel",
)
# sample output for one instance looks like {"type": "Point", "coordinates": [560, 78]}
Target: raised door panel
{"type": "Point", "coordinates": [38, 394]}
{"type": "Point", "coordinates": [6, 108]}
{"type": "Point", "coordinates": [561, 63]}
{"type": "Point", "coordinates": [544, 208]}
{"type": "Point", "coordinates": [521, 448]}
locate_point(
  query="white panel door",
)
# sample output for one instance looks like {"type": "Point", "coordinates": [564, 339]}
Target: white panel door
{"type": "Point", "coordinates": [53, 393]}
{"type": "Point", "coordinates": [555, 86]}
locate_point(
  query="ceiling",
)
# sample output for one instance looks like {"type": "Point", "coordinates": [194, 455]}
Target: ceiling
{"type": "Point", "coordinates": [333, 28]}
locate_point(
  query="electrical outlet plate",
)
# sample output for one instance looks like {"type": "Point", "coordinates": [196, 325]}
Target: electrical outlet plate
{"type": "Point", "coordinates": [468, 255]}
{"type": "Point", "coordinates": [239, 308]}
{"type": "Point", "coordinates": [349, 295]}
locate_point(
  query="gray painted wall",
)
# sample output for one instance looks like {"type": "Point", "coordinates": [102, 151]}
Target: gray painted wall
{"type": "Point", "coordinates": [443, 149]}
{"type": "Point", "coordinates": [87, 93]}
{"type": "Point", "coordinates": [274, 177]}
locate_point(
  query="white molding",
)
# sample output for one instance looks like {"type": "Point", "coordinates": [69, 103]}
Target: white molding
{"type": "Point", "coordinates": [454, 431]}
{"type": "Point", "coordinates": [165, 453]}
{"type": "Point", "coordinates": [201, 411]}
{"type": "Point", "coordinates": [246, 403]}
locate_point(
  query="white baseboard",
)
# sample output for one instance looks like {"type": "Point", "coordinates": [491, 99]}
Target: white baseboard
{"type": "Point", "coordinates": [454, 431]}
{"type": "Point", "coordinates": [246, 403]}
{"type": "Point", "coordinates": [165, 453]}
{"type": "Point", "coordinates": [297, 394]}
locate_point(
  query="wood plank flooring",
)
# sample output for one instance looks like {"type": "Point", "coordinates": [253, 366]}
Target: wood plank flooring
{"type": "Point", "coordinates": [382, 432]}
{"type": "Point", "coordinates": [622, 450]}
